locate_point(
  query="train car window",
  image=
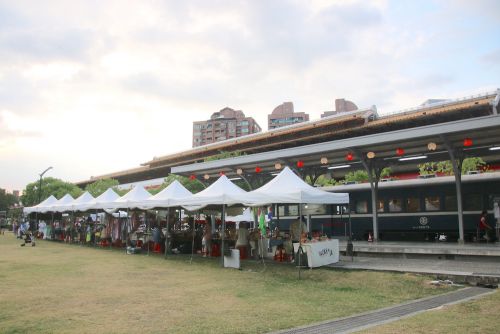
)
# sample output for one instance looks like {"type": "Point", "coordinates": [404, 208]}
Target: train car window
{"type": "Point", "coordinates": [293, 210]}
{"type": "Point", "coordinates": [450, 203]}
{"type": "Point", "coordinates": [380, 205]}
{"type": "Point", "coordinates": [432, 203]}
{"type": "Point", "coordinates": [473, 202]}
{"type": "Point", "coordinates": [362, 206]}
{"type": "Point", "coordinates": [395, 205]}
{"type": "Point", "coordinates": [281, 210]}
{"type": "Point", "coordinates": [413, 204]}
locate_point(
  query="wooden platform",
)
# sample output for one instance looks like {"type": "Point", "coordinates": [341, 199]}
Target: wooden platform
{"type": "Point", "coordinates": [438, 250]}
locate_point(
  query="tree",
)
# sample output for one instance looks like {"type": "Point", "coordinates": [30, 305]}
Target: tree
{"type": "Point", "coordinates": [445, 167]}
{"type": "Point", "coordinates": [321, 181]}
{"type": "Point", "coordinates": [361, 175]}
{"type": "Point", "coordinates": [50, 186]}
{"type": "Point", "coordinates": [473, 164]}
{"type": "Point", "coordinates": [100, 186]}
{"type": "Point", "coordinates": [6, 200]}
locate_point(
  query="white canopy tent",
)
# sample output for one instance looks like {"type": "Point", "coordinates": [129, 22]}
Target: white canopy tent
{"type": "Point", "coordinates": [86, 197]}
{"type": "Point", "coordinates": [246, 216]}
{"type": "Point", "coordinates": [135, 198]}
{"type": "Point", "coordinates": [82, 201]}
{"type": "Point", "coordinates": [103, 201]}
{"type": "Point", "coordinates": [287, 187]}
{"type": "Point", "coordinates": [221, 192]}
{"type": "Point", "coordinates": [164, 198]}
{"type": "Point", "coordinates": [65, 200]}
{"type": "Point", "coordinates": [47, 202]}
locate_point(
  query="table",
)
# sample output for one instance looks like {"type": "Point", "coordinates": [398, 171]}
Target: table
{"type": "Point", "coordinates": [320, 253]}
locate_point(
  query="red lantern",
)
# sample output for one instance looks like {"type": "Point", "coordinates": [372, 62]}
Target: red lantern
{"type": "Point", "coordinates": [300, 163]}
{"type": "Point", "coordinates": [349, 156]}
{"type": "Point", "coordinates": [258, 169]}
{"type": "Point", "coordinates": [467, 142]}
{"type": "Point", "coordinates": [400, 151]}
{"type": "Point", "coordinates": [192, 177]}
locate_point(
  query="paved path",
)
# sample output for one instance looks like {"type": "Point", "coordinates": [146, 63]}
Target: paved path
{"type": "Point", "coordinates": [424, 266]}
{"type": "Point", "coordinates": [389, 314]}
{"type": "Point", "coordinates": [436, 249]}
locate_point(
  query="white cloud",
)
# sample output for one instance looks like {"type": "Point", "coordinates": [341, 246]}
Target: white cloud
{"type": "Point", "coordinates": [94, 87]}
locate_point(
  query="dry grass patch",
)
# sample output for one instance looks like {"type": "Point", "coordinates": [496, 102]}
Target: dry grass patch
{"type": "Point", "coordinates": [475, 316]}
{"type": "Point", "coordinates": [55, 287]}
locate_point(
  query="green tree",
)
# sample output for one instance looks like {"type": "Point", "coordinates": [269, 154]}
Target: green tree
{"type": "Point", "coordinates": [15, 213]}
{"type": "Point", "coordinates": [445, 167]}
{"type": "Point", "coordinates": [100, 186]}
{"type": "Point", "coordinates": [361, 175]}
{"type": "Point", "coordinates": [322, 181]}
{"type": "Point", "coordinates": [356, 176]}
{"type": "Point", "coordinates": [50, 186]}
{"type": "Point", "coordinates": [6, 200]}
{"type": "Point", "coordinates": [473, 164]}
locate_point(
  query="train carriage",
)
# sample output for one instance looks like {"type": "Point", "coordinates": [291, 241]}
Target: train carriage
{"type": "Point", "coordinates": [408, 210]}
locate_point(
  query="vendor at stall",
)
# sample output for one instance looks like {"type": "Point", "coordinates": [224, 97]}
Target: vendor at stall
{"type": "Point", "coordinates": [297, 229]}
{"type": "Point", "coordinates": [242, 242]}
{"type": "Point", "coordinates": [206, 241]}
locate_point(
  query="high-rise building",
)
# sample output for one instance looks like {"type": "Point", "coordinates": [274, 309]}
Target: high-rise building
{"type": "Point", "coordinates": [284, 115]}
{"type": "Point", "coordinates": [225, 124]}
{"type": "Point", "coordinates": [341, 105]}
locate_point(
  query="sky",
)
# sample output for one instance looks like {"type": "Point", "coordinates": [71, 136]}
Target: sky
{"type": "Point", "coordinates": [93, 87]}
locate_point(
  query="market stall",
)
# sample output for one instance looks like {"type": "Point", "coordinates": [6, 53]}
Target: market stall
{"type": "Point", "coordinates": [288, 188]}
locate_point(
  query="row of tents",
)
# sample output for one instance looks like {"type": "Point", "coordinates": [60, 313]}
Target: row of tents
{"type": "Point", "coordinates": [286, 187]}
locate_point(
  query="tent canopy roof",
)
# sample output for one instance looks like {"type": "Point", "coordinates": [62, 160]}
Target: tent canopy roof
{"type": "Point", "coordinates": [287, 187]}
{"type": "Point", "coordinates": [221, 192]}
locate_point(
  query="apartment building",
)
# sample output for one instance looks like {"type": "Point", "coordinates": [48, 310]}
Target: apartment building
{"type": "Point", "coordinates": [284, 115]}
{"type": "Point", "coordinates": [224, 124]}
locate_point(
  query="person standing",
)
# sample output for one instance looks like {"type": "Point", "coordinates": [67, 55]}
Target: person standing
{"type": "Point", "coordinates": [206, 241]}
{"type": "Point", "coordinates": [484, 227]}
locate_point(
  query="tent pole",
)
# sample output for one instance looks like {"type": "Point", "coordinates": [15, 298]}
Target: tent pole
{"type": "Point", "coordinates": [118, 223]}
{"type": "Point", "coordinates": [223, 233]}
{"type": "Point", "coordinates": [95, 229]}
{"type": "Point", "coordinates": [192, 243]}
{"type": "Point", "coordinates": [126, 230]}
{"type": "Point", "coordinates": [51, 225]}
{"type": "Point", "coordinates": [74, 223]}
{"type": "Point", "coordinates": [350, 247]}
{"type": "Point", "coordinates": [148, 230]}
{"type": "Point", "coordinates": [166, 234]}
{"type": "Point", "coordinates": [299, 251]}
{"type": "Point", "coordinates": [278, 214]}
{"type": "Point", "coordinates": [262, 242]}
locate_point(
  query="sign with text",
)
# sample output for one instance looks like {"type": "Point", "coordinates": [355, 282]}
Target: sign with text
{"type": "Point", "coordinates": [322, 253]}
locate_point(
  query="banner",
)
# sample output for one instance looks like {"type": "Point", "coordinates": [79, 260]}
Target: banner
{"type": "Point", "coordinates": [322, 253]}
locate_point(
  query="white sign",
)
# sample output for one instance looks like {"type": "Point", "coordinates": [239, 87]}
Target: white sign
{"type": "Point", "coordinates": [233, 260]}
{"type": "Point", "coordinates": [322, 253]}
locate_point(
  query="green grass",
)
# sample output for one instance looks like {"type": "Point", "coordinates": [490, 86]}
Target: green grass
{"type": "Point", "coordinates": [55, 287]}
{"type": "Point", "coordinates": [475, 316]}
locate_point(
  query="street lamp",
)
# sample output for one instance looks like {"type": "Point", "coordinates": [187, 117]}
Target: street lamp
{"type": "Point", "coordinates": [40, 185]}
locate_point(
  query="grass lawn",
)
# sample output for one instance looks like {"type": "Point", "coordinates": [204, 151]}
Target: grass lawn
{"type": "Point", "coordinates": [55, 287]}
{"type": "Point", "coordinates": [476, 316]}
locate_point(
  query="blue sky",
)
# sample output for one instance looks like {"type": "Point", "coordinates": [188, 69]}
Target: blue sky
{"type": "Point", "coordinates": [91, 87]}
